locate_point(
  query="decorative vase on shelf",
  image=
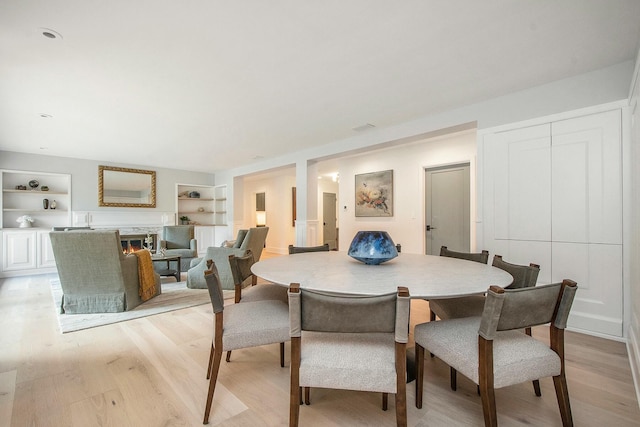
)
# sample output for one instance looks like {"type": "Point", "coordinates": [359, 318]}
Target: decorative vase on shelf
{"type": "Point", "coordinates": [45, 203]}
{"type": "Point", "coordinates": [53, 204]}
{"type": "Point", "coordinates": [372, 247]}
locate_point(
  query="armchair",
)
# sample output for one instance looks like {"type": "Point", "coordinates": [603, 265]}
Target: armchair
{"type": "Point", "coordinates": [179, 240]}
{"type": "Point", "coordinates": [253, 241]}
{"type": "Point", "coordinates": [96, 277]}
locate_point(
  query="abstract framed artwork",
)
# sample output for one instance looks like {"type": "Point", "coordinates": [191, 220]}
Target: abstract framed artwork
{"type": "Point", "coordinates": [374, 194]}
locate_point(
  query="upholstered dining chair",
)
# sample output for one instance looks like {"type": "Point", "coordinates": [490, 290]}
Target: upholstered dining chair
{"type": "Point", "coordinates": [241, 272]}
{"type": "Point", "coordinates": [303, 249]}
{"type": "Point", "coordinates": [492, 352]}
{"type": "Point", "coordinates": [238, 326]}
{"type": "Point", "coordinates": [481, 257]}
{"type": "Point", "coordinates": [524, 276]}
{"type": "Point", "coordinates": [349, 342]}
{"type": "Point", "coordinates": [179, 240]}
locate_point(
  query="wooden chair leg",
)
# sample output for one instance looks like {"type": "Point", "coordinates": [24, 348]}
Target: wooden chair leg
{"type": "Point", "coordinates": [488, 397]}
{"type": "Point", "coordinates": [432, 318]}
{"type": "Point", "coordinates": [295, 391]}
{"type": "Point", "coordinates": [228, 359]}
{"type": "Point", "coordinates": [485, 380]}
{"type": "Point", "coordinates": [210, 361]}
{"type": "Point", "coordinates": [307, 391]}
{"type": "Point", "coordinates": [536, 388]}
{"type": "Point", "coordinates": [217, 356]}
{"type": "Point", "coordinates": [562, 394]}
{"type": "Point", "coordinates": [536, 383]}
{"type": "Point", "coordinates": [453, 374]}
{"type": "Point", "coordinates": [401, 384]}
{"type": "Point", "coordinates": [419, 374]}
{"type": "Point", "coordinates": [385, 401]}
{"type": "Point", "coordinates": [282, 355]}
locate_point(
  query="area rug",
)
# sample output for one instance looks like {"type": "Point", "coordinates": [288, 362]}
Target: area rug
{"type": "Point", "coordinates": [175, 296]}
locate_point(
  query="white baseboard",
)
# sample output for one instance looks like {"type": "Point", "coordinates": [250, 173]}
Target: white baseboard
{"type": "Point", "coordinates": [633, 350]}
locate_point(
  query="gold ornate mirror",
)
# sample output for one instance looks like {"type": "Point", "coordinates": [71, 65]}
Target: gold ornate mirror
{"type": "Point", "coordinates": [122, 187]}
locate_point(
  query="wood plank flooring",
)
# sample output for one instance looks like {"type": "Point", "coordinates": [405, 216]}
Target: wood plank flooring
{"type": "Point", "coordinates": [151, 372]}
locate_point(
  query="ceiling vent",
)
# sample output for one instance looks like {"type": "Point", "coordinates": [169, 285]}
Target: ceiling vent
{"type": "Point", "coordinates": [364, 127]}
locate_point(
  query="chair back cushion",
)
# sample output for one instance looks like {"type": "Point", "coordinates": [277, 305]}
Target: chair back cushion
{"type": "Point", "coordinates": [510, 309]}
{"type": "Point", "coordinates": [524, 276]}
{"type": "Point", "coordinates": [303, 249]}
{"type": "Point", "coordinates": [215, 288]}
{"type": "Point", "coordinates": [240, 238]}
{"type": "Point", "coordinates": [332, 313]}
{"type": "Point", "coordinates": [241, 267]}
{"type": "Point", "coordinates": [254, 241]}
{"type": "Point", "coordinates": [178, 236]}
{"type": "Point", "coordinates": [481, 257]}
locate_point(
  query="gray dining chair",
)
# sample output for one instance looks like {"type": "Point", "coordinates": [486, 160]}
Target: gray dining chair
{"type": "Point", "coordinates": [524, 276]}
{"type": "Point", "coordinates": [349, 342]}
{"type": "Point", "coordinates": [238, 326]}
{"type": "Point", "coordinates": [241, 272]}
{"type": "Point", "coordinates": [491, 350]}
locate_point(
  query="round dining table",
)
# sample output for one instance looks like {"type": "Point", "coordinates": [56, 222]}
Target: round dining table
{"type": "Point", "coordinates": [426, 276]}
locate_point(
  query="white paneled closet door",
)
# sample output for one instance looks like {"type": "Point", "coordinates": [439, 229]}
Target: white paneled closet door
{"type": "Point", "coordinates": [587, 217]}
{"type": "Point", "coordinates": [517, 196]}
{"type": "Point", "coordinates": [552, 194]}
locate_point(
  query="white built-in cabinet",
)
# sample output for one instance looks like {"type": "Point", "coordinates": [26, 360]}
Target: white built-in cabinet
{"type": "Point", "coordinates": [28, 250]}
{"type": "Point", "coordinates": [552, 195]}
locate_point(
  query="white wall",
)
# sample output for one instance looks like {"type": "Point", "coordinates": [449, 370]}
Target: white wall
{"type": "Point", "coordinates": [633, 270]}
{"type": "Point", "coordinates": [278, 205]}
{"type": "Point", "coordinates": [84, 179]}
{"type": "Point", "coordinates": [408, 163]}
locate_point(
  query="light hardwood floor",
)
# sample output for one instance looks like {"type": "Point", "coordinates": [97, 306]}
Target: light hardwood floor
{"type": "Point", "coordinates": [151, 372]}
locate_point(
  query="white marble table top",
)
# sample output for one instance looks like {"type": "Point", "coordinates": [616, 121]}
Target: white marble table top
{"type": "Point", "coordinates": [426, 276]}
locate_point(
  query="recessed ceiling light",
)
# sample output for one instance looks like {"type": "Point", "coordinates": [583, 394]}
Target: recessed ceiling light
{"type": "Point", "coordinates": [49, 33]}
{"type": "Point", "coordinates": [364, 127]}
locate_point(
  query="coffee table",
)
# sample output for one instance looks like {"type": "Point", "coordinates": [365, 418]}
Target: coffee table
{"type": "Point", "coordinates": [167, 271]}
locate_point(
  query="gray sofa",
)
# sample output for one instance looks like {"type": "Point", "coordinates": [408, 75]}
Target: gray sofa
{"type": "Point", "coordinates": [96, 277]}
{"type": "Point", "coordinates": [254, 240]}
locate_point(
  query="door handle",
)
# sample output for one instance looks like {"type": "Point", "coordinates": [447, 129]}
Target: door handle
{"type": "Point", "coordinates": [429, 228]}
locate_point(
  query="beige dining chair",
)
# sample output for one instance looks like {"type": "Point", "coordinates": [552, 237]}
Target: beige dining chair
{"type": "Point", "coordinates": [524, 276]}
{"type": "Point", "coordinates": [349, 342]}
{"type": "Point", "coordinates": [481, 257]}
{"type": "Point", "coordinates": [492, 352]}
{"type": "Point", "coordinates": [238, 326]}
{"type": "Point", "coordinates": [241, 272]}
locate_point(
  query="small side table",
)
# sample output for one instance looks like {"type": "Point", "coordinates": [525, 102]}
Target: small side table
{"type": "Point", "coordinates": [168, 271]}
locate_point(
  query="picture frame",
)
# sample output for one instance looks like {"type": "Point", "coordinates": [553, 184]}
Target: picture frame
{"type": "Point", "coordinates": [374, 194]}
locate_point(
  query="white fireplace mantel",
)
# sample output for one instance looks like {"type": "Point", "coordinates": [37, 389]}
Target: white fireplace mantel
{"type": "Point", "coordinates": [127, 222]}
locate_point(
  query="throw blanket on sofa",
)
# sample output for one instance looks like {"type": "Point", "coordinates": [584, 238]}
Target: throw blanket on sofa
{"type": "Point", "coordinates": [146, 275]}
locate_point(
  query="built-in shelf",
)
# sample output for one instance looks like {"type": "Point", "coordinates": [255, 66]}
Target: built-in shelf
{"type": "Point", "coordinates": [17, 202]}
{"type": "Point", "coordinates": [210, 209]}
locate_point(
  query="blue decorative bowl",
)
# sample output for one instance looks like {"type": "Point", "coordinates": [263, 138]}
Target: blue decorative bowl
{"type": "Point", "coordinates": [372, 247]}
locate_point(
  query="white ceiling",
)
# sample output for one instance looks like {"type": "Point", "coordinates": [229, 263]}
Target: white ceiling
{"type": "Point", "coordinates": [210, 85]}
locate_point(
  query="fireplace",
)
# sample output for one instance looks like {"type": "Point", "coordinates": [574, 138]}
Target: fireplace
{"type": "Point", "coordinates": [134, 242]}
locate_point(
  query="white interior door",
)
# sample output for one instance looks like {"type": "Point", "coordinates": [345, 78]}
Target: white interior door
{"type": "Point", "coordinates": [447, 208]}
{"type": "Point", "coordinates": [329, 230]}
